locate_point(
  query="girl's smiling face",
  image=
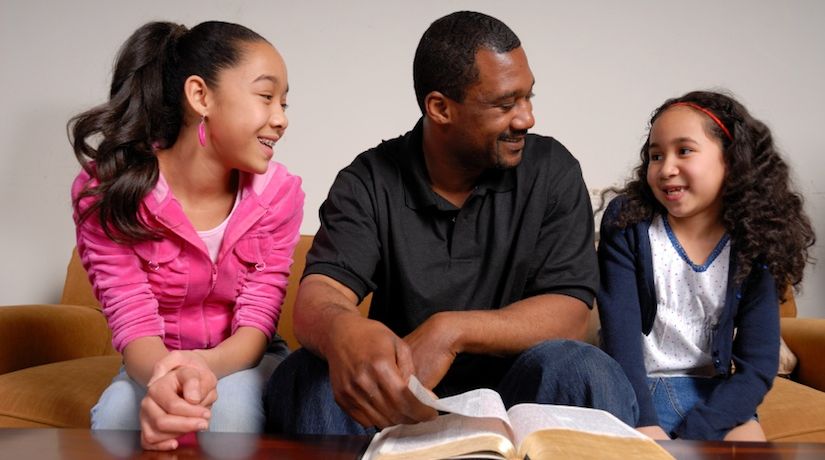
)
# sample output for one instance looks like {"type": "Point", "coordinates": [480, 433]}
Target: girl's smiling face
{"type": "Point", "coordinates": [248, 116]}
{"type": "Point", "coordinates": [687, 166]}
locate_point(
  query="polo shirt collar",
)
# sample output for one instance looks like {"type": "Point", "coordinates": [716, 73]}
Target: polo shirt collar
{"type": "Point", "coordinates": [418, 193]}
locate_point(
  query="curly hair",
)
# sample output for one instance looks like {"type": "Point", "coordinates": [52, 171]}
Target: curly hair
{"type": "Point", "coordinates": [761, 211]}
{"type": "Point", "coordinates": [445, 58]}
{"type": "Point", "coordinates": [144, 111]}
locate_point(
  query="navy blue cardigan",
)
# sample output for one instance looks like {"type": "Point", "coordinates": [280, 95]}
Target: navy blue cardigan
{"type": "Point", "coordinates": [627, 308]}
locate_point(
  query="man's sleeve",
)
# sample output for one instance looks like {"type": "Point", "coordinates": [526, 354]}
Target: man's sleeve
{"type": "Point", "coordinates": [346, 247]}
{"type": "Point", "coordinates": [565, 244]}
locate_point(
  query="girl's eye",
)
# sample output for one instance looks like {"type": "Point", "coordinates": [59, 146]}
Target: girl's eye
{"type": "Point", "coordinates": [655, 156]}
{"type": "Point", "coordinates": [684, 151]}
{"type": "Point", "coordinates": [268, 97]}
{"type": "Point", "coordinates": [284, 106]}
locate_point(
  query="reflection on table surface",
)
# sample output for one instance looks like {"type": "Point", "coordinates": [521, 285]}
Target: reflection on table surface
{"type": "Point", "coordinates": [46, 443]}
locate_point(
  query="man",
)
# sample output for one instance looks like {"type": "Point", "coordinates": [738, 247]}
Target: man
{"type": "Point", "coordinates": [476, 240]}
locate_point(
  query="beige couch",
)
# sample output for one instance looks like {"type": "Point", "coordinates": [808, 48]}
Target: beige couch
{"type": "Point", "coordinates": [55, 360]}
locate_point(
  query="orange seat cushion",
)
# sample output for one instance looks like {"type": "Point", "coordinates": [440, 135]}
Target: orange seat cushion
{"type": "Point", "coordinates": [55, 395]}
{"type": "Point", "coordinates": [792, 412]}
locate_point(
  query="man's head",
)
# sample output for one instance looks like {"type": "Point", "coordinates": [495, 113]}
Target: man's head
{"type": "Point", "coordinates": [446, 55]}
{"type": "Point", "coordinates": [473, 82]}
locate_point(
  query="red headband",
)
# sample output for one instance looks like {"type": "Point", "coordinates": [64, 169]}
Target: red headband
{"type": "Point", "coordinates": [708, 113]}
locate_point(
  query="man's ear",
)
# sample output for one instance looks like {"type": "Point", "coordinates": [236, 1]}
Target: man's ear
{"type": "Point", "coordinates": [196, 93]}
{"type": "Point", "coordinates": [439, 107]}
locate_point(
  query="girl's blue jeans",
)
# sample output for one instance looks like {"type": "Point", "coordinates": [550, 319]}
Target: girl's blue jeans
{"type": "Point", "coordinates": [239, 407]}
{"type": "Point", "coordinates": [674, 397]}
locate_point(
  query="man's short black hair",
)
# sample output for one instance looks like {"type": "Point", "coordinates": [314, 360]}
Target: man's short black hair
{"type": "Point", "coordinates": [445, 57]}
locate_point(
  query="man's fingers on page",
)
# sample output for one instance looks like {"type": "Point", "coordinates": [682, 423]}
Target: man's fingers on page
{"type": "Point", "coordinates": [392, 398]}
{"type": "Point", "coordinates": [419, 411]}
{"type": "Point", "coordinates": [414, 408]}
{"type": "Point", "coordinates": [368, 416]}
{"type": "Point", "coordinates": [356, 401]}
{"type": "Point", "coordinates": [393, 406]}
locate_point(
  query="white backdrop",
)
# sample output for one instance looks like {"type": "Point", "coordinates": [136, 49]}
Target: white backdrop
{"type": "Point", "coordinates": [601, 67]}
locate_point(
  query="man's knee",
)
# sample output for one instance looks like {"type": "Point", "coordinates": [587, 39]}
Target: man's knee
{"type": "Point", "coordinates": [561, 355]}
{"type": "Point", "coordinates": [301, 381]}
{"type": "Point", "coordinates": [573, 373]}
{"type": "Point", "coordinates": [300, 368]}
{"type": "Point", "coordinates": [566, 355]}
{"type": "Point", "coordinates": [299, 399]}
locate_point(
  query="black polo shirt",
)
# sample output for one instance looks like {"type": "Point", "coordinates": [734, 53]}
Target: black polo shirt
{"type": "Point", "coordinates": [522, 232]}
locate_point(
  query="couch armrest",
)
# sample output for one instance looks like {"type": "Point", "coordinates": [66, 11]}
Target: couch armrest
{"type": "Point", "coordinates": [31, 335]}
{"type": "Point", "coordinates": [806, 338]}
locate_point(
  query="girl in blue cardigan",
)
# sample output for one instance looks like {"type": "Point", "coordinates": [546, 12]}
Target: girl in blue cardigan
{"type": "Point", "coordinates": [694, 254]}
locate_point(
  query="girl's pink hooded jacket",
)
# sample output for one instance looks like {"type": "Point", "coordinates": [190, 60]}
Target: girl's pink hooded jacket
{"type": "Point", "coordinates": [171, 288]}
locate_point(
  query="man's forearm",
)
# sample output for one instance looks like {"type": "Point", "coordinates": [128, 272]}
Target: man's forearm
{"type": "Point", "coordinates": [321, 304]}
{"type": "Point", "coordinates": [518, 326]}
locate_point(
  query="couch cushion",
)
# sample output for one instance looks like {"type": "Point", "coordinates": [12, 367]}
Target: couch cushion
{"type": "Point", "coordinates": [77, 290]}
{"type": "Point", "coordinates": [55, 395]}
{"type": "Point", "coordinates": [793, 412]}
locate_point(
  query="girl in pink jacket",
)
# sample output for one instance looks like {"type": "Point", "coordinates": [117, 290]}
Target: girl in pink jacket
{"type": "Point", "coordinates": [186, 227]}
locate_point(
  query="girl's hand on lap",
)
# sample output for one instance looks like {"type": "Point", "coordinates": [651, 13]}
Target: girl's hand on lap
{"type": "Point", "coordinates": [175, 404]}
{"type": "Point", "coordinates": [177, 359]}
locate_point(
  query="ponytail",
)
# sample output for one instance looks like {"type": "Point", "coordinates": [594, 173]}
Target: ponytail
{"type": "Point", "coordinates": [145, 111]}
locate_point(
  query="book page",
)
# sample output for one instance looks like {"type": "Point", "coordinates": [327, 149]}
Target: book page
{"type": "Point", "coordinates": [563, 444]}
{"type": "Point", "coordinates": [447, 436]}
{"type": "Point", "coordinates": [475, 403]}
{"type": "Point", "coordinates": [527, 418]}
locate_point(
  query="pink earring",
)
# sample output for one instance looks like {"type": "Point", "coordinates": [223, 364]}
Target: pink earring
{"type": "Point", "coordinates": [202, 131]}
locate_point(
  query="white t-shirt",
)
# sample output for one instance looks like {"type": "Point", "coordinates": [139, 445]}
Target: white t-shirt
{"type": "Point", "coordinates": [689, 301]}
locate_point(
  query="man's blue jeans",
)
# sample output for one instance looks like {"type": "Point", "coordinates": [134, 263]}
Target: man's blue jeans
{"type": "Point", "coordinates": [299, 398]}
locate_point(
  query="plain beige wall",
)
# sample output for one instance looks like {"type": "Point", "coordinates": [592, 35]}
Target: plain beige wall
{"type": "Point", "coordinates": [601, 67]}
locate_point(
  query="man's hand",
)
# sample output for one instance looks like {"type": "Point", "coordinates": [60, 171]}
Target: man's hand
{"type": "Point", "coordinates": [433, 347]}
{"type": "Point", "coordinates": [176, 403]}
{"type": "Point", "coordinates": [369, 367]}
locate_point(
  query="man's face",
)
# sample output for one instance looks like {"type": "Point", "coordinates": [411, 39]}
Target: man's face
{"type": "Point", "coordinates": [490, 125]}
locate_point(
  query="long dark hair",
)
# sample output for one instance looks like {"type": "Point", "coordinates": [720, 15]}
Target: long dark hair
{"type": "Point", "coordinates": [144, 111]}
{"type": "Point", "coordinates": [761, 211]}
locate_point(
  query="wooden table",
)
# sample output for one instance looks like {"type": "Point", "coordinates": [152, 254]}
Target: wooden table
{"type": "Point", "coordinates": [83, 444]}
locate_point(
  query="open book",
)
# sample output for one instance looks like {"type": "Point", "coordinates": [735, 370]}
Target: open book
{"type": "Point", "coordinates": [478, 426]}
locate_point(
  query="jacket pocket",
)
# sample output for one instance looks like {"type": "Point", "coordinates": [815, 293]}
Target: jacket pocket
{"type": "Point", "coordinates": [253, 250]}
{"type": "Point", "coordinates": [166, 270]}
